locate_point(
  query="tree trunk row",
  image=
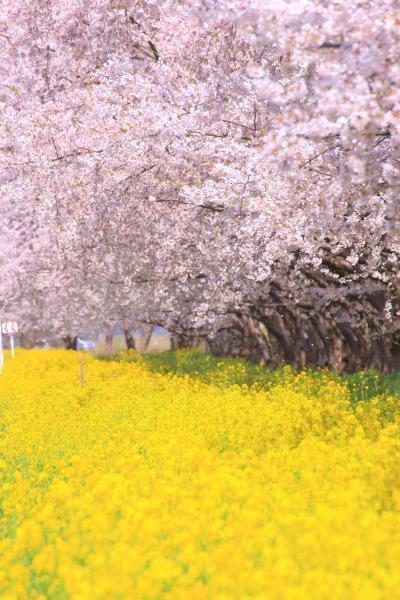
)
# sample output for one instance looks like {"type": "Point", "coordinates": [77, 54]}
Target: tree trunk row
{"type": "Point", "coordinates": [71, 342]}
{"type": "Point", "coordinates": [314, 342]}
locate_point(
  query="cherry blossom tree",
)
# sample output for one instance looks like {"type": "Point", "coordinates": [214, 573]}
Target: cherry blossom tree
{"type": "Point", "coordinates": [203, 164]}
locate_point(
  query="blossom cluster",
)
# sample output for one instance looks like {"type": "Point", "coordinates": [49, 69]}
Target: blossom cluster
{"type": "Point", "coordinates": [167, 162]}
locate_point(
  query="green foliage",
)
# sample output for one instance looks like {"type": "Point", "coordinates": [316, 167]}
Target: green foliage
{"type": "Point", "coordinates": [362, 385]}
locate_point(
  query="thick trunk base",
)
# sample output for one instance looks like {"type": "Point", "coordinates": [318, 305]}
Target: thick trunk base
{"type": "Point", "coordinates": [147, 333]}
{"type": "Point", "coordinates": [70, 342]}
{"type": "Point", "coordinates": [180, 341]}
{"type": "Point", "coordinates": [129, 340]}
{"type": "Point", "coordinates": [108, 343]}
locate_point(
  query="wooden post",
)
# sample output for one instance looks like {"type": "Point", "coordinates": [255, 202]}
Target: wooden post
{"type": "Point", "coordinates": [1, 349]}
{"type": "Point", "coordinates": [82, 371]}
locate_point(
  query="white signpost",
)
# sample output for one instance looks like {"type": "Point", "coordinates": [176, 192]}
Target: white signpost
{"type": "Point", "coordinates": [8, 328]}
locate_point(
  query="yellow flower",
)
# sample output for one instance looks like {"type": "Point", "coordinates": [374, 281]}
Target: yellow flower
{"type": "Point", "coordinates": [140, 485]}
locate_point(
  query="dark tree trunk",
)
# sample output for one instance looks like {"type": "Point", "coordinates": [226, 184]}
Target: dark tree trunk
{"type": "Point", "coordinates": [108, 342]}
{"type": "Point", "coordinates": [245, 338]}
{"type": "Point", "coordinates": [129, 340]}
{"type": "Point", "coordinates": [147, 333]}
{"type": "Point", "coordinates": [179, 341]}
{"type": "Point", "coordinates": [27, 340]}
{"type": "Point", "coordinates": [70, 342]}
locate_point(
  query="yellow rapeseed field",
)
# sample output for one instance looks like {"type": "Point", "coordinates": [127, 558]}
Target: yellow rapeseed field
{"type": "Point", "coordinates": [147, 486]}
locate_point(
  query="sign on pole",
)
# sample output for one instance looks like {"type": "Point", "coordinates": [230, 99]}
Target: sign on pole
{"type": "Point", "coordinates": [9, 328]}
